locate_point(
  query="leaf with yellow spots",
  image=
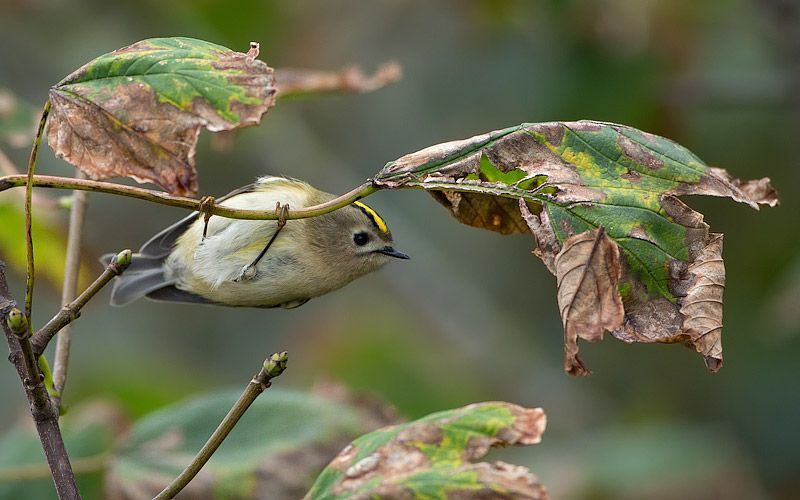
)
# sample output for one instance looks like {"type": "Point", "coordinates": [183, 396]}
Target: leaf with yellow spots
{"type": "Point", "coordinates": [137, 111]}
{"type": "Point", "coordinates": [563, 179]}
{"type": "Point", "coordinates": [433, 457]}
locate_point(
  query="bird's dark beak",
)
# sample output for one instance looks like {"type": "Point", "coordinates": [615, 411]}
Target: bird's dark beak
{"type": "Point", "coordinates": [391, 252]}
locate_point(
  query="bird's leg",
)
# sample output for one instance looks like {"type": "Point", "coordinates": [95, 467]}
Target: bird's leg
{"type": "Point", "coordinates": [249, 271]}
{"type": "Point", "coordinates": [206, 207]}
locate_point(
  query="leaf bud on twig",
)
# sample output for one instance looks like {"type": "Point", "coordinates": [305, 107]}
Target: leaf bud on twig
{"type": "Point", "coordinates": [18, 323]}
{"type": "Point", "coordinates": [276, 364]}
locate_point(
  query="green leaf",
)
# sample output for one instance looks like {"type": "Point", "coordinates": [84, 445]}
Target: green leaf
{"type": "Point", "coordinates": [278, 446]}
{"type": "Point", "coordinates": [89, 431]}
{"type": "Point", "coordinates": [431, 457]}
{"type": "Point", "coordinates": [562, 179]}
{"type": "Point", "coordinates": [137, 111]}
{"type": "Point", "coordinates": [50, 240]}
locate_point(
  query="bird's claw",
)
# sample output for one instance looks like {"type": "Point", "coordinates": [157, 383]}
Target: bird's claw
{"type": "Point", "coordinates": [248, 272]}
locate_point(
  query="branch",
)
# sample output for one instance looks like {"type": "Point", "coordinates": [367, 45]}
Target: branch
{"type": "Point", "coordinates": [28, 198]}
{"type": "Point", "coordinates": [362, 191]}
{"type": "Point", "coordinates": [273, 367]}
{"type": "Point", "coordinates": [72, 311]}
{"type": "Point", "coordinates": [69, 288]}
{"type": "Point", "coordinates": [294, 82]}
{"type": "Point", "coordinates": [45, 415]}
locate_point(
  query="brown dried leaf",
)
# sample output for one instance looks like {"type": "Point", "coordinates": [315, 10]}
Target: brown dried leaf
{"type": "Point", "coordinates": [571, 178]}
{"type": "Point", "coordinates": [587, 272]}
{"type": "Point", "coordinates": [701, 308]}
{"type": "Point", "coordinates": [137, 112]}
{"type": "Point", "coordinates": [694, 318]}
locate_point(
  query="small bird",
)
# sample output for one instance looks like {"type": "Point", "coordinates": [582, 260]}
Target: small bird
{"type": "Point", "coordinates": [225, 262]}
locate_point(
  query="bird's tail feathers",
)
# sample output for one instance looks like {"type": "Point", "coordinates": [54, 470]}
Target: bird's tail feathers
{"type": "Point", "coordinates": [143, 276]}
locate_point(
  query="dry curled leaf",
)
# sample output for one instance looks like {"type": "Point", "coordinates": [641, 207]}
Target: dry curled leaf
{"type": "Point", "coordinates": [562, 179]}
{"type": "Point", "coordinates": [137, 112]}
{"type": "Point", "coordinates": [587, 272]}
{"type": "Point", "coordinates": [432, 457]}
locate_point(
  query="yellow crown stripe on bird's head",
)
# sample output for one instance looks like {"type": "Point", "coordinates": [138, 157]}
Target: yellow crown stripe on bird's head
{"type": "Point", "coordinates": [372, 214]}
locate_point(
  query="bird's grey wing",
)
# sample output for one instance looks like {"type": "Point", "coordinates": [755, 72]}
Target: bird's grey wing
{"type": "Point", "coordinates": [160, 245]}
{"type": "Point", "coordinates": [172, 294]}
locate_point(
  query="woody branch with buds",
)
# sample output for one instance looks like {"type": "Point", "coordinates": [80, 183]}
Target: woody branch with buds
{"type": "Point", "coordinates": [250, 78]}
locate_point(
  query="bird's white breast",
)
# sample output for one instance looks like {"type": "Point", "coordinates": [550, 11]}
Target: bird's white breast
{"type": "Point", "coordinates": [208, 267]}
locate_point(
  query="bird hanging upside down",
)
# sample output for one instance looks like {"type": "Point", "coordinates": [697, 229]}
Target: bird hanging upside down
{"type": "Point", "coordinates": [258, 263]}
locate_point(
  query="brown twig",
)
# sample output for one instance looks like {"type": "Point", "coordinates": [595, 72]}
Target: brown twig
{"type": "Point", "coordinates": [292, 82]}
{"type": "Point", "coordinates": [28, 216]}
{"type": "Point", "coordinates": [44, 413]}
{"type": "Point", "coordinates": [70, 312]}
{"type": "Point", "coordinates": [69, 288]}
{"type": "Point", "coordinates": [362, 191]}
{"type": "Point", "coordinates": [273, 366]}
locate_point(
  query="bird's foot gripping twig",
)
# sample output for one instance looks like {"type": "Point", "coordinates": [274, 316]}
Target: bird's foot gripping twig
{"type": "Point", "coordinates": [207, 209]}
{"type": "Point", "coordinates": [249, 271]}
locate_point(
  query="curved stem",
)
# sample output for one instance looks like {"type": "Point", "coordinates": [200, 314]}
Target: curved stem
{"type": "Point", "coordinates": [28, 197]}
{"type": "Point", "coordinates": [272, 367]}
{"type": "Point", "coordinates": [362, 191]}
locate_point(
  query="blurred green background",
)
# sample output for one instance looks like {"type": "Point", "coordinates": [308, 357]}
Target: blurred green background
{"type": "Point", "coordinates": [473, 315]}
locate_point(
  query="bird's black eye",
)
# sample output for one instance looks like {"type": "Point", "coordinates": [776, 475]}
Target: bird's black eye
{"type": "Point", "coordinates": [361, 238]}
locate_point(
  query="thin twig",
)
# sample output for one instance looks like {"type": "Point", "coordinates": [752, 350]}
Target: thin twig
{"type": "Point", "coordinates": [362, 191]}
{"type": "Point", "coordinates": [273, 366]}
{"type": "Point", "coordinates": [28, 216]}
{"type": "Point", "coordinates": [44, 413]}
{"type": "Point", "coordinates": [70, 312]}
{"type": "Point", "coordinates": [293, 82]}
{"type": "Point", "coordinates": [69, 289]}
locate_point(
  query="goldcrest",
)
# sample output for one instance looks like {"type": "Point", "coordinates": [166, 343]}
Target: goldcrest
{"type": "Point", "coordinates": [307, 257]}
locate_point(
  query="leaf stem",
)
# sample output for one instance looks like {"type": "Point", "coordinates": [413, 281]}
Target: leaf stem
{"type": "Point", "coordinates": [362, 191]}
{"type": "Point", "coordinates": [70, 312]}
{"type": "Point", "coordinates": [69, 289]}
{"type": "Point", "coordinates": [28, 217]}
{"type": "Point", "coordinates": [272, 367]}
